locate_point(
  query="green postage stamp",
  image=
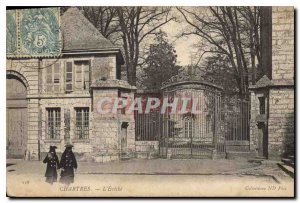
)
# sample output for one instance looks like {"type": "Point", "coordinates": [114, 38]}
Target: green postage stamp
{"type": "Point", "coordinates": [33, 33]}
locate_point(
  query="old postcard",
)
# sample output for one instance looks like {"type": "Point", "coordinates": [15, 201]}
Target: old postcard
{"type": "Point", "coordinates": [150, 101]}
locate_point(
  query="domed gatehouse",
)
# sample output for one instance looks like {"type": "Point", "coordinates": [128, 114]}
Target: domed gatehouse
{"type": "Point", "coordinates": [195, 119]}
{"type": "Point", "coordinates": [193, 129]}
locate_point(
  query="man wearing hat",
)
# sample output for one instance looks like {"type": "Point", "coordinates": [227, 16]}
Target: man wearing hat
{"type": "Point", "coordinates": [52, 164]}
{"type": "Point", "coordinates": [67, 164]}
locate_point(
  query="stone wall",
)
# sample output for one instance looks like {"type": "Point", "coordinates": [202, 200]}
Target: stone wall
{"type": "Point", "coordinates": [281, 122]}
{"type": "Point", "coordinates": [104, 68]}
{"type": "Point", "coordinates": [105, 132]}
{"type": "Point", "coordinates": [107, 144]}
{"type": "Point", "coordinates": [256, 117]}
{"type": "Point", "coordinates": [27, 70]}
{"type": "Point", "coordinates": [104, 141]}
{"type": "Point", "coordinates": [282, 43]}
{"type": "Point", "coordinates": [81, 147]}
{"type": "Point", "coordinates": [129, 119]}
{"type": "Point", "coordinates": [281, 98]}
{"type": "Point", "coordinates": [279, 91]}
{"type": "Point", "coordinates": [147, 149]}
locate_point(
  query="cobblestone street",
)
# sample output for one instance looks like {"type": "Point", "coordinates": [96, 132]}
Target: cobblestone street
{"type": "Point", "coordinates": [118, 178]}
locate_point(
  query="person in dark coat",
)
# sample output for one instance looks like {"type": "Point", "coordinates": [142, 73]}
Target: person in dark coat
{"type": "Point", "coordinates": [67, 164]}
{"type": "Point", "coordinates": [52, 164]}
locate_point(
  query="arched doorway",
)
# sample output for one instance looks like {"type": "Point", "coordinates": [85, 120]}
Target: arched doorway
{"type": "Point", "coordinates": [194, 134]}
{"type": "Point", "coordinates": [16, 117]}
{"type": "Point", "coordinates": [189, 126]}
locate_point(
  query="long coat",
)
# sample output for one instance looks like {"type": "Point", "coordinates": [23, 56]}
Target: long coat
{"type": "Point", "coordinates": [67, 164]}
{"type": "Point", "coordinates": [52, 164]}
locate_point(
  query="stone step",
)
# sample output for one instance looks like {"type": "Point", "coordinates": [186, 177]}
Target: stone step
{"type": "Point", "coordinates": [289, 162]}
{"type": "Point", "coordinates": [239, 155]}
{"type": "Point", "coordinates": [147, 155]}
{"type": "Point", "coordinates": [256, 160]}
{"type": "Point", "coordinates": [287, 169]}
{"type": "Point", "coordinates": [125, 156]}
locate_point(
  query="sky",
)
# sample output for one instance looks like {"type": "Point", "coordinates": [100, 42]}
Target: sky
{"type": "Point", "coordinates": [184, 45]}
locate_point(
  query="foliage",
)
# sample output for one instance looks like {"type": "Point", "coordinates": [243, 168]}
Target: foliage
{"type": "Point", "coordinates": [217, 68]}
{"type": "Point", "coordinates": [129, 27]}
{"type": "Point", "coordinates": [160, 62]}
{"type": "Point", "coordinates": [230, 31]}
{"type": "Point", "coordinates": [137, 24]}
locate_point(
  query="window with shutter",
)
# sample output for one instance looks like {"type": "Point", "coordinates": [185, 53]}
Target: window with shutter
{"type": "Point", "coordinates": [82, 75]}
{"type": "Point", "coordinates": [49, 83]}
{"type": "Point", "coordinates": [52, 78]}
{"type": "Point", "coordinates": [69, 77]}
{"type": "Point", "coordinates": [86, 75]}
{"type": "Point", "coordinates": [78, 75]}
{"type": "Point", "coordinates": [56, 77]}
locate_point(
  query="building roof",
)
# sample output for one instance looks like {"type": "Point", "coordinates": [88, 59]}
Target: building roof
{"type": "Point", "coordinates": [263, 82]}
{"type": "Point", "coordinates": [79, 33]}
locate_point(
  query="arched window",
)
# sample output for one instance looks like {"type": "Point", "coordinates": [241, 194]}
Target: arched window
{"type": "Point", "coordinates": [188, 126]}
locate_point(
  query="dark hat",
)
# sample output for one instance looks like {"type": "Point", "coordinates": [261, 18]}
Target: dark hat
{"type": "Point", "coordinates": [52, 149]}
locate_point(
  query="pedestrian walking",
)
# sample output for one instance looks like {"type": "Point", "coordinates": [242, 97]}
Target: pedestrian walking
{"type": "Point", "coordinates": [67, 165]}
{"type": "Point", "coordinates": [52, 165]}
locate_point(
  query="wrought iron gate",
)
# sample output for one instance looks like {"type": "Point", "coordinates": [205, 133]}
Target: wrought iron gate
{"type": "Point", "coordinates": [194, 135]}
{"type": "Point", "coordinates": [219, 121]}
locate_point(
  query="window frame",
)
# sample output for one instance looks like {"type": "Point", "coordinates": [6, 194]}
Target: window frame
{"type": "Point", "coordinates": [82, 125]}
{"type": "Point", "coordinates": [85, 74]}
{"type": "Point", "coordinates": [72, 76]}
{"type": "Point", "coordinates": [262, 105]}
{"type": "Point", "coordinates": [52, 86]}
{"type": "Point", "coordinates": [189, 124]}
{"type": "Point", "coordinates": [53, 122]}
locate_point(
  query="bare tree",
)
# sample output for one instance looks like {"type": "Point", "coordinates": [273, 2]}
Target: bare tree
{"type": "Point", "coordinates": [129, 27]}
{"type": "Point", "coordinates": [136, 24]}
{"type": "Point", "coordinates": [105, 19]}
{"type": "Point", "coordinates": [230, 31]}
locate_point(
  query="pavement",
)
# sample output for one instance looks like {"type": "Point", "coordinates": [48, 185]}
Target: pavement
{"type": "Point", "coordinates": [151, 177]}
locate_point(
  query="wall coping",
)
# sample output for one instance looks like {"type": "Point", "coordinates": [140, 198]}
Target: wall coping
{"type": "Point", "coordinates": [274, 84]}
{"type": "Point", "coordinates": [112, 84]}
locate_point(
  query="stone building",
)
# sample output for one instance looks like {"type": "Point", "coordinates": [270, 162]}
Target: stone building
{"type": "Point", "coordinates": [272, 98]}
{"type": "Point", "coordinates": [53, 101]}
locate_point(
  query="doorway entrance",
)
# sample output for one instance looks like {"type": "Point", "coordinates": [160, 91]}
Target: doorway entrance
{"type": "Point", "coordinates": [262, 140]}
{"type": "Point", "coordinates": [16, 117]}
{"type": "Point", "coordinates": [124, 138]}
